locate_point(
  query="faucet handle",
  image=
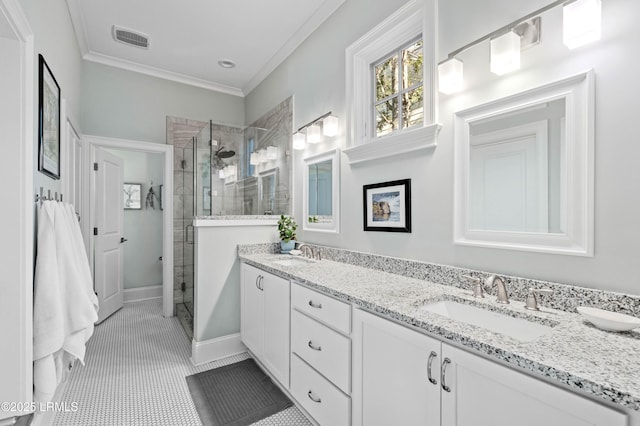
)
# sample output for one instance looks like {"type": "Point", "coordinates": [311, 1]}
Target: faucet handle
{"type": "Point", "coordinates": [532, 301]}
{"type": "Point", "coordinates": [478, 291]}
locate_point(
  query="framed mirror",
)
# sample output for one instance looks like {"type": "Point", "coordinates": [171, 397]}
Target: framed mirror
{"type": "Point", "coordinates": [321, 192]}
{"type": "Point", "coordinates": [524, 170]}
{"type": "Point", "coordinates": [267, 183]}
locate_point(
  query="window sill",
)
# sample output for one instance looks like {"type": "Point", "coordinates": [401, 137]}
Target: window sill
{"type": "Point", "coordinates": [389, 146]}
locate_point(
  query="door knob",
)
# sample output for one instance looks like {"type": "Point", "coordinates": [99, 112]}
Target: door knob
{"type": "Point", "coordinates": [123, 240]}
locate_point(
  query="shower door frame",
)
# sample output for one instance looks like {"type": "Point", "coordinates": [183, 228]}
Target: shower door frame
{"type": "Point", "coordinates": [167, 216]}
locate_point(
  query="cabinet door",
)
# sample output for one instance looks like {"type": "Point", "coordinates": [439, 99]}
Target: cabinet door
{"type": "Point", "coordinates": [251, 327]}
{"type": "Point", "coordinates": [391, 383]}
{"type": "Point", "coordinates": [276, 326]}
{"type": "Point", "coordinates": [483, 392]}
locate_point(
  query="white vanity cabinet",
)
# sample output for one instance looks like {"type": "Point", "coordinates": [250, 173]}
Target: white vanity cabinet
{"type": "Point", "coordinates": [265, 320]}
{"type": "Point", "coordinates": [321, 356]}
{"type": "Point", "coordinates": [402, 376]}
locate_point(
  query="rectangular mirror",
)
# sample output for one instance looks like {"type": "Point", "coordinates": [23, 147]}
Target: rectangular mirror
{"type": "Point", "coordinates": [524, 170]}
{"type": "Point", "coordinates": [321, 177]}
{"type": "Point", "coordinates": [267, 182]}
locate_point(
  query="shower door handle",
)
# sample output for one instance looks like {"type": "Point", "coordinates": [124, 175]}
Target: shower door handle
{"type": "Point", "coordinates": [186, 234]}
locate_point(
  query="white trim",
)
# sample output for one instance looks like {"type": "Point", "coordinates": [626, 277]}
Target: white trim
{"type": "Point", "coordinates": [415, 17]}
{"type": "Point", "coordinates": [422, 139]}
{"type": "Point", "coordinates": [334, 225]}
{"type": "Point", "coordinates": [578, 239]}
{"type": "Point", "coordinates": [215, 349]}
{"type": "Point", "coordinates": [208, 223]}
{"type": "Point", "coordinates": [139, 294]}
{"type": "Point", "coordinates": [16, 18]}
{"type": "Point", "coordinates": [167, 213]}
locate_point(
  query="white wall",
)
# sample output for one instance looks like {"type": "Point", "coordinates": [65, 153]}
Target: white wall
{"type": "Point", "coordinates": [142, 228]}
{"type": "Point", "coordinates": [315, 75]}
{"type": "Point", "coordinates": [126, 105]}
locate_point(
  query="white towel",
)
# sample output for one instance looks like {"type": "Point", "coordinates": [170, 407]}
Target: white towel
{"type": "Point", "coordinates": [65, 306]}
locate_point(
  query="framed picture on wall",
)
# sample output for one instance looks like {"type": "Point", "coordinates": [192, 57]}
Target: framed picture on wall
{"type": "Point", "coordinates": [132, 193]}
{"type": "Point", "coordinates": [387, 206]}
{"type": "Point", "coordinates": [49, 122]}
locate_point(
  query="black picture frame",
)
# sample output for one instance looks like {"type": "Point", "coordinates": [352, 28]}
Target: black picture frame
{"type": "Point", "coordinates": [387, 206]}
{"type": "Point", "coordinates": [48, 121]}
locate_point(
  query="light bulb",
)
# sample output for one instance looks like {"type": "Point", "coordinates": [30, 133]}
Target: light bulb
{"type": "Point", "coordinates": [299, 141]}
{"type": "Point", "coordinates": [505, 53]}
{"type": "Point", "coordinates": [262, 156]}
{"type": "Point", "coordinates": [330, 126]}
{"type": "Point", "coordinates": [450, 76]}
{"type": "Point", "coordinates": [314, 135]}
{"type": "Point", "coordinates": [581, 22]}
{"type": "Point", "coordinates": [272, 153]}
{"type": "Point", "coordinates": [253, 159]}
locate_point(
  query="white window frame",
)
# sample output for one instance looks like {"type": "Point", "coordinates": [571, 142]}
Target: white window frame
{"type": "Point", "coordinates": [415, 18]}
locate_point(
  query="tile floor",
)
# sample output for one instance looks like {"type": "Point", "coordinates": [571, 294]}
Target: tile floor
{"type": "Point", "coordinates": [136, 363]}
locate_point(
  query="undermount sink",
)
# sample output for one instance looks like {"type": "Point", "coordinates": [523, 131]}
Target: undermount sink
{"type": "Point", "coordinates": [518, 328]}
{"type": "Point", "coordinates": [293, 261]}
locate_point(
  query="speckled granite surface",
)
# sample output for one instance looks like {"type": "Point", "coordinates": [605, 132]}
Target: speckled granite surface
{"type": "Point", "coordinates": [605, 365]}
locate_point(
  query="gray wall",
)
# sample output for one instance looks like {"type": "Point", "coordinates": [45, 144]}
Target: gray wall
{"type": "Point", "coordinates": [122, 104]}
{"type": "Point", "coordinates": [315, 75]}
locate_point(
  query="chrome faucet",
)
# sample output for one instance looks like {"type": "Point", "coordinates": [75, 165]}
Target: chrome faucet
{"type": "Point", "coordinates": [503, 297]}
{"type": "Point", "coordinates": [307, 251]}
{"type": "Point", "coordinates": [477, 285]}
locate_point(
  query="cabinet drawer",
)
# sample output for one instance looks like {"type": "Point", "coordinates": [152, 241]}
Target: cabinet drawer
{"type": "Point", "coordinates": [326, 350]}
{"type": "Point", "coordinates": [328, 310]}
{"type": "Point", "coordinates": [326, 404]}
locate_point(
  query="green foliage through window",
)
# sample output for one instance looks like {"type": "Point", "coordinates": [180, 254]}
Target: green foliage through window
{"type": "Point", "coordinates": [399, 89]}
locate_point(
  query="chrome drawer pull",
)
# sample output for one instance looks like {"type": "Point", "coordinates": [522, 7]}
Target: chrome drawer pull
{"type": "Point", "coordinates": [432, 356]}
{"type": "Point", "coordinates": [315, 348]}
{"type": "Point", "coordinates": [313, 305]}
{"type": "Point", "coordinates": [445, 363]}
{"type": "Point", "coordinates": [317, 400]}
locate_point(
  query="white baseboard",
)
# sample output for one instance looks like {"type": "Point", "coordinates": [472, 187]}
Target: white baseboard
{"type": "Point", "coordinates": [215, 349]}
{"type": "Point", "coordinates": [142, 293]}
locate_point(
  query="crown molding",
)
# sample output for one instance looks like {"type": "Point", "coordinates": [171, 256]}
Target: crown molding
{"type": "Point", "coordinates": [160, 73]}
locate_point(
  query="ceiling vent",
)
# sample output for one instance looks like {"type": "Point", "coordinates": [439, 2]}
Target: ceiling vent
{"type": "Point", "coordinates": [130, 37]}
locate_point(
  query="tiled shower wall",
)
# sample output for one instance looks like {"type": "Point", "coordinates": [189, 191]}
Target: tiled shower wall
{"type": "Point", "coordinates": [180, 133]}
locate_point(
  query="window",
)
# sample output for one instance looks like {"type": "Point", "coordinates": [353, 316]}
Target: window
{"type": "Point", "coordinates": [390, 76]}
{"type": "Point", "coordinates": [399, 89]}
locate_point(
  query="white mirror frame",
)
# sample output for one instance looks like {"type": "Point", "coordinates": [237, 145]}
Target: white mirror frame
{"type": "Point", "coordinates": [334, 225]}
{"type": "Point", "coordinates": [578, 92]}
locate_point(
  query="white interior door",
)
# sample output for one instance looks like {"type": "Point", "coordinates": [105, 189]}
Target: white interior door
{"type": "Point", "coordinates": [109, 250]}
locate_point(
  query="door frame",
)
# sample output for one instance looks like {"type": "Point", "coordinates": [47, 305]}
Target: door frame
{"type": "Point", "coordinates": [94, 142]}
{"type": "Point", "coordinates": [24, 193]}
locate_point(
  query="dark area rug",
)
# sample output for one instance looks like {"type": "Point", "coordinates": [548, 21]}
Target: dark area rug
{"type": "Point", "coordinates": [235, 395]}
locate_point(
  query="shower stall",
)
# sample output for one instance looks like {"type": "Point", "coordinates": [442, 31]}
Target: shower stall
{"type": "Point", "coordinates": [224, 171]}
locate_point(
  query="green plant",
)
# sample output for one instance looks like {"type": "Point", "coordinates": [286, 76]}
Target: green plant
{"type": "Point", "coordinates": [287, 228]}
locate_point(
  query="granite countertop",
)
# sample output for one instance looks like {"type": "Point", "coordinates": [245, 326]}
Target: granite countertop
{"type": "Point", "coordinates": [603, 364]}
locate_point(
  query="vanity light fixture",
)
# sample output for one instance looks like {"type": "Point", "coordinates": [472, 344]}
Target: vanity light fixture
{"type": "Point", "coordinates": [450, 76]}
{"type": "Point", "coordinates": [581, 22]}
{"type": "Point", "coordinates": [299, 141]}
{"type": "Point", "coordinates": [581, 25]}
{"type": "Point", "coordinates": [505, 53]}
{"type": "Point", "coordinates": [272, 153]}
{"type": "Point", "coordinates": [325, 125]}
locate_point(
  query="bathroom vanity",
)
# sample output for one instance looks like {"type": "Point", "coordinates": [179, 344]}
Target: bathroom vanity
{"type": "Point", "coordinates": [367, 347]}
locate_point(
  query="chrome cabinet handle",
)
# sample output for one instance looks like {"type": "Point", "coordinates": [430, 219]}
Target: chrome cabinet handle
{"type": "Point", "coordinates": [310, 395]}
{"type": "Point", "coordinates": [313, 305]}
{"type": "Point", "coordinates": [315, 348]}
{"type": "Point", "coordinates": [432, 356]}
{"type": "Point", "coordinates": [260, 281]}
{"type": "Point", "coordinates": [445, 363]}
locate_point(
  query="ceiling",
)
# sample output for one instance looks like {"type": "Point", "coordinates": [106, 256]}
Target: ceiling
{"type": "Point", "coordinates": [188, 38]}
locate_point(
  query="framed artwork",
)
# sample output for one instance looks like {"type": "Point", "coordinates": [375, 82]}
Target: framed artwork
{"type": "Point", "coordinates": [387, 206]}
{"type": "Point", "coordinates": [132, 193]}
{"type": "Point", "coordinates": [49, 122]}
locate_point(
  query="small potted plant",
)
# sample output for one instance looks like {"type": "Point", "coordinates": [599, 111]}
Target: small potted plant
{"type": "Point", "coordinates": [287, 230]}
